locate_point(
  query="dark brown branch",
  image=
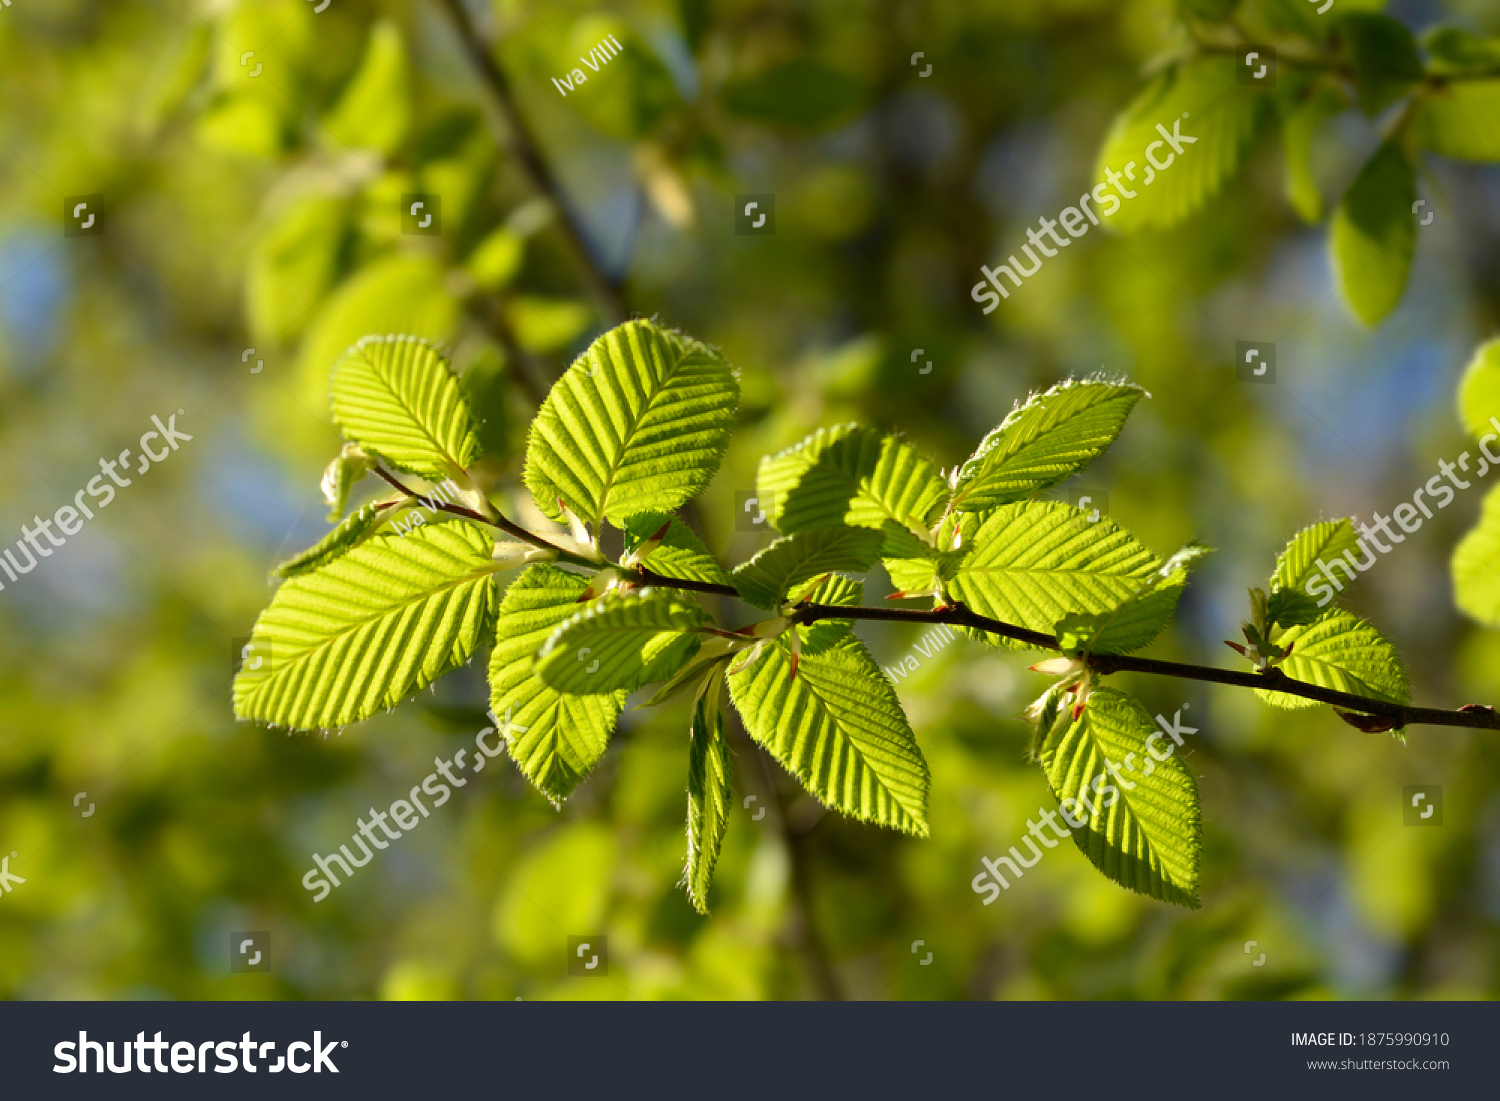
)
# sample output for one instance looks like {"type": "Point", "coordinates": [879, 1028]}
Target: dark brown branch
{"type": "Point", "coordinates": [528, 152]}
{"type": "Point", "coordinates": [1272, 679]}
{"type": "Point", "coordinates": [510, 527]}
{"type": "Point", "coordinates": [956, 615]}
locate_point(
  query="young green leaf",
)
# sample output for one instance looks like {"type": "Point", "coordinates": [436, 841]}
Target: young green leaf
{"type": "Point", "coordinates": [680, 555]}
{"type": "Point", "coordinates": [1138, 618]}
{"type": "Point", "coordinates": [1291, 608]}
{"type": "Point", "coordinates": [1213, 120]}
{"type": "Point", "coordinates": [1384, 53]}
{"type": "Point", "coordinates": [374, 110]}
{"type": "Point", "coordinates": [292, 265]}
{"type": "Point", "coordinates": [1301, 124]}
{"type": "Point", "coordinates": [1342, 652]}
{"type": "Point", "coordinates": [1323, 542]}
{"type": "Point", "coordinates": [396, 397]}
{"type": "Point", "coordinates": [621, 642]}
{"type": "Point", "coordinates": [834, 589]}
{"type": "Point", "coordinates": [1144, 828]}
{"type": "Point", "coordinates": [1456, 52]}
{"type": "Point", "coordinates": [365, 631]}
{"type": "Point", "coordinates": [341, 476]}
{"type": "Point", "coordinates": [839, 728]}
{"type": "Point", "coordinates": [1043, 441]}
{"type": "Point", "coordinates": [1479, 393]}
{"type": "Point", "coordinates": [1476, 566]}
{"type": "Point", "coordinates": [849, 475]}
{"type": "Point", "coordinates": [767, 578]}
{"type": "Point", "coordinates": [1462, 119]}
{"type": "Point", "coordinates": [709, 795]}
{"type": "Point", "coordinates": [354, 530]}
{"type": "Point", "coordinates": [1374, 235]}
{"type": "Point", "coordinates": [399, 292]}
{"type": "Point", "coordinates": [555, 739]}
{"type": "Point", "coordinates": [637, 424]}
{"type": "Point", "coordinates": [923, 573]}
{"type": "Point", "coordinates": [1033, 562]}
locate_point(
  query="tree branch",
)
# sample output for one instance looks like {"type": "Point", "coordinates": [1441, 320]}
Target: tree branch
{"type": "Point", "coordinates": [1272, 679]}
{"type": "Point", "coordinates": [528, 152]}
{"type": "Point", "coordinates": [1472, 717]}
{"type": "Point", "coordinates": [510, 527]}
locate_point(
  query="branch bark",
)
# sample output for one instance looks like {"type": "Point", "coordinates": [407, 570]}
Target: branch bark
{"type": "Point", "coordinates": [1472, 717]}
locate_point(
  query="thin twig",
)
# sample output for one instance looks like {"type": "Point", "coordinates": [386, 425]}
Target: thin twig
{"type": "Point", "coordinates": [957, 615]}
{"type": "Point", "coordinates": [1272, 679]}
{"type": "Point", "coordinates": [510, 527]}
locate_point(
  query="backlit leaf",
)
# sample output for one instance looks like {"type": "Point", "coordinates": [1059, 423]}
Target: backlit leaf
{"type": "Point", "coordinates": [368, 629]}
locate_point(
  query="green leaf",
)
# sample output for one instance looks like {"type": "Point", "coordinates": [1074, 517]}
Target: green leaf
{"type": "Point", "coordinates": [921, 574]}
{"type": "Point", "coordinates": [1138, 618]}
{"type": "Point", "coordinates": [1476, 566]}
{"type": "Point", "coordinates": [1298, 562]}
{"type": "Point", "coordinates": [546, 325]}
{"type": "Point", "coordinates": [1479, 392]}
{"type": "Point", "coordinates": [681, 554]}
{"type": "Point", "coordinates": [1455, 51]}
{"type": "Point", "coordinates": [803, 94]}
{"type": "Point", "coordinates": [1150, 838]}
{"type": "Point", "coordinates": [849, 475]}
{"type": "Point", "coordinates": [1385, 58]}
{"type": "Point", "coordinates": [621, 642]}
{"type": "Point", "coordinates": [1342, 652]}
{"type": "Point", "coordinates": [1043, 441]}
{"type": "Point", "coordinates": [1297, 17]}
{"type": "Point", "coordinates": [341, 476]}
{"type": "Point", "coordinates": [709, 795]}
{"type": "Point", "coordinates": [497, 259]}
{"type": "Point", "coordinates": [1301, 124]}
{"type": "Point", "coordinates": [400, 293]}
{"type": "Point", "coordinates": [369, 628]}
{"type": "Point", "coordinates": [638, 90]}
{"type": "Point", "coordinates": [1033, 562]}
{"type": "Point", "coordinates": [639, 423]}
{"type": "Point", "coordinates": [767, 578]}
{"type": "Point", "coordinates": [395, 396]}
{"type": "Point", "coordinates": [1462, 119]}
{"type": "Point", "coordinates": [834, 589]}
{"type": "Point", "coordinates": [1291, 608]}
{"type": "Point", "coordinates": [554, 738]}
{"type": "Point", "coordinates": [292, 265]}
{"type": "Point", "coordinates": [839, 729]}
{"type": "Point", "coordinates": [374, 110]}
{"type": "Point", "coordinates": [354, 530]}
{"type": "Point", "coordinates": [1199, 99]}
{"type": "Point", "coordinates": [1375, 235]}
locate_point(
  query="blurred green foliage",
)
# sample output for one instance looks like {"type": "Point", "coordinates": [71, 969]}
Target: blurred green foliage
{"type": "Point", "coordinates": [252, 229]}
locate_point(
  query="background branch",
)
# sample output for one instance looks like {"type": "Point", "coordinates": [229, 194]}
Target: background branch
{"type": "Point", "coordinates": [528, 153]}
